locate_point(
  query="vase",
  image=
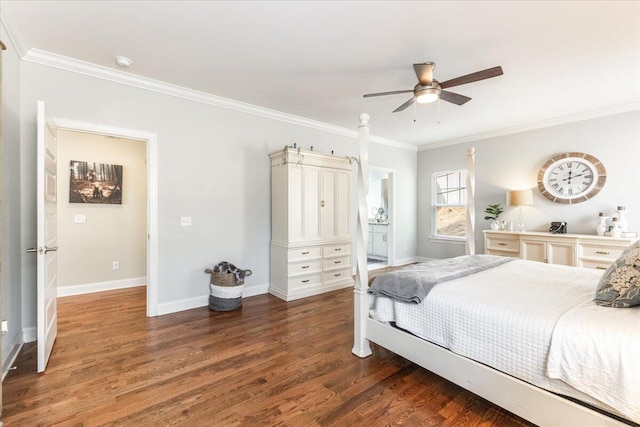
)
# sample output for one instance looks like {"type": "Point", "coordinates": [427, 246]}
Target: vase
{"type": "Point", "coordinates": [622, 219]}
{"type": "Point", "coordinates": [601, 228]}
{"type": "Point", "coordinates": [495, 225]}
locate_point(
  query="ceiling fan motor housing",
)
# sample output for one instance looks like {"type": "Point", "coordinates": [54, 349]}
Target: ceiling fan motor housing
{"type": "Point", "coordinates": [427, 93]}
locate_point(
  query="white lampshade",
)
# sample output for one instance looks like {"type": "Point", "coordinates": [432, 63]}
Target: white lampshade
{"type": "Point", "coordinates": [520, 198]}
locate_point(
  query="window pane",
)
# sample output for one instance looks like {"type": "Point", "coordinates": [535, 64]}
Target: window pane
{"type": "Point", "coordinates": [454, 197]}
{"type": "Point", "coordinates": [451, 221]}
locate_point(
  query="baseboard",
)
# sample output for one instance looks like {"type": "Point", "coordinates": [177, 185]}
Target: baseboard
{"type": "Point", "coordinates": [203, 301]}
{"type": "Point", "coordinates": [29, 334]}
{"type": "Point", "coordinates": [422, 259]}
{"type": "Point", "coordinates": [410, 260]}
{"type": "Point", "coordinates": [65, 291]}
{"type": "Point", "coordinates": [9, 358]}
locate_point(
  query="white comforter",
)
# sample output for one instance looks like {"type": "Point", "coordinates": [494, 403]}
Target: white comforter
{"type": "Point", "coordinates": [503, 317]}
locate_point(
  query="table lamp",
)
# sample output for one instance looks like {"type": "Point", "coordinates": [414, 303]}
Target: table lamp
{"type": "Point", "coordinates": [520, 198]}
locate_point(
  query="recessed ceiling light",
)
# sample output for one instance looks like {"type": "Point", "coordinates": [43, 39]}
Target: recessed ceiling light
{"type": "Point", "coordinates": [123, 61]}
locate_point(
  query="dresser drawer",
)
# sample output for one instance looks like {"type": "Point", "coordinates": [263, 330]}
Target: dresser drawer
{"type": "Point", "coordinates": [601, 253]}
{"type": "Point", "coordinates": [503, 244]}
{"type": "Point", "coordinates": [337, 250]}
{"type": "Point", "coordinates": [295, 283]}
{"type": "Point", "coordinates": [336, 263]}
{"type": "Point", "coordinates": [305, 267]}
{"type": "Point", "coordinates": [336, 275]}
{"type": "Point", "coordinates": [597, 265]}
{"type": "Point", "coordinates": [301, 254]}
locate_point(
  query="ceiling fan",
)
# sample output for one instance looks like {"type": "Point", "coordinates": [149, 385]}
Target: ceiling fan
{"type": "Point", "coordinates": [429, 89]}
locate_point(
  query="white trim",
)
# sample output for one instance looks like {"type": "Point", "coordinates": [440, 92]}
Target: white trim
{"type": "Point", "coordinates": [9, 358]}
{"type": "Point", "coordinates": [405, 261]}
{"type": "Point", "coordinates": [87, 288]}
{"type": "Point", "coordinates": [29, 334]}
{"type": "Point", "coordinates": [609, 111]}
{"type": "Point", "coordinates": [422, 259]}
{"type": "Point", "coordinates": [448, 240]}
{"type": "Point", "coordinates": [98, 71]}
{"type": "Point", "coordinates": [203, 300]}
{"type": "Point", "coordinates": [152, 194]}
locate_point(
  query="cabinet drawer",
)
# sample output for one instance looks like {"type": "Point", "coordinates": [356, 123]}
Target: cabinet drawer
{"type": "Point", "coordinates": [337, 250]}
{"type": "Point", "coordinates": [305, 267]}
{"type": "Point", "coordinates": [601, 253]}
{"type": "Point", "coordinates": [336, 263]}
{"type": "Point", "coordinates": [597, 265]}
{"type": "Point", "coordinates": [336, 275]}
{"type": "Point", "coordinates": [503, 244]}
{"type": "Point", "coordinates": [379, 228]}
{"type": "Point", "coordinates": [301, 254]}
{"type": "Point", "coordinates": [304, 281]}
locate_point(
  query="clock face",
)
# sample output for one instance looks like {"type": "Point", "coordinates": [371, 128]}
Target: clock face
{"type": "Point", "coordinates": [571, 178]}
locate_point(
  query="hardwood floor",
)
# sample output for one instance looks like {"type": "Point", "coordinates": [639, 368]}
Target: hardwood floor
{"type": "Point", "coordinates": [268, 363]}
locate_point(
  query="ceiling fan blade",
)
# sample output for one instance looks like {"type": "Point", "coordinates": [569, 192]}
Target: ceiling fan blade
{"type": "Point", "coordinates": [424, 73]}
{"type": "Point", "coordinates": [454, 98]}
{"type": "Point", "coordinates": [394, 92]}
{"type": "Point", "coordinates": [473, 77]}
{"type": "Point", "coordinates": [405, 105]}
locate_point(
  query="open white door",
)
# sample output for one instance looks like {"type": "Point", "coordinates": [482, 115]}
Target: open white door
{"type": "Point", "coordinates": [47, 237]}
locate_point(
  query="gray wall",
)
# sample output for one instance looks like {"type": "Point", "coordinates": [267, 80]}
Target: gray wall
{"type": "Point", "coordinates": [213, 166]}
{"type": "Point", "coordinates": [512, 162]}
{"type": "Point", "coordinates": [12, 248]}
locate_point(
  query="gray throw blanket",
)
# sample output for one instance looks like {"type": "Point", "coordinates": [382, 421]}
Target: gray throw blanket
{"type": "Point", "coordinates": [414, 282]}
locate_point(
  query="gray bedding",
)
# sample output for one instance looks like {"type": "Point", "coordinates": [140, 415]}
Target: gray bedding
{"type": "Point", "coordinates": [414, 282]}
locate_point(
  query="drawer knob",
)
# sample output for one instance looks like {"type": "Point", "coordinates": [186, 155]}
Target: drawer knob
{"type": "Point", "coordinates": [600, 268]}
{"type": "Point", "coordinates": [305, 253]}
{"type": "Point", "coordinates": [337, 249]}
{"type": "Point", "coordinates": [602, 252]}
{"type": "Point", "coordinates": [305, 266]}
{"type": "Point", "coordinates": [338, 274]}
{"type": "Point", "coordinates": [305, 281]}
{"type": "Point", "coordinates": [337, 262]}
{"type": "Point", "coordinates": [502, 244]}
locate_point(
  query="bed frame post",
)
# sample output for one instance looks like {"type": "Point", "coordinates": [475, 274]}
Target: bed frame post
{"type": "Point", "coordinates": [361, 299]}
{"type": "Point", "coordinates": [471, 203]}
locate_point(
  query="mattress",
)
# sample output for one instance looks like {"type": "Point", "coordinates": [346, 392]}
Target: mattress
{"type": "Point", "coordinates": [503, 317]}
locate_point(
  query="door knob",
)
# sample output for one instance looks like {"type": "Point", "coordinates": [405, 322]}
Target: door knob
{"type": "Point", "coordinates": [32, 250]}
{"type": "Point", "coordinates": [42, 250]}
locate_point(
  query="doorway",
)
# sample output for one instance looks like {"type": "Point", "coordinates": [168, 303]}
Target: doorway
{"type": "Point", "coordinates": [79, 215]}
{"type": "Point", "coordinates": [380, 206]}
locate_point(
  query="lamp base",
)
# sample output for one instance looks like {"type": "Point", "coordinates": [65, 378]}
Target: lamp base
{"type": "Point", "coordinates": [520, 226]}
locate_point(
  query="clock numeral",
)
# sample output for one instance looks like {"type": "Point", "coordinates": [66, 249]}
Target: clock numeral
{"type": "Point", "coordinates": [586, 170]}
{"type": "Point", "coordinates": [570, 192]}
{"type": "Point", "coordinates": [552, 180]}
{"type": "Point", "coordinates": [569, 165]}
{"type": "Point", "coordinates": [555, 185]}
{"type": "Point", "coordinates": [588, 176]}
{"type": "Point", "coordinates": [561, 168]}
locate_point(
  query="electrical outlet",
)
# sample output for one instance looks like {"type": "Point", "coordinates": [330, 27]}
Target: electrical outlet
{"type": "Point", "coordinates": [5, 327]}
{"type": "Point", "coordinates": [185, 221]}
{"type": "Point", "coordinates": [116, 265]}
{"type": "Point", "coordinates": [80, 219]}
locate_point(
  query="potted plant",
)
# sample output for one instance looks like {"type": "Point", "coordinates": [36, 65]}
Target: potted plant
{"type": "Point", "coordinates": [494, 212]}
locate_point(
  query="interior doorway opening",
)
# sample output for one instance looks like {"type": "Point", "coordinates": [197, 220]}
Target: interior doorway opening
{"type": "Point", "coordinates": [380, 206]}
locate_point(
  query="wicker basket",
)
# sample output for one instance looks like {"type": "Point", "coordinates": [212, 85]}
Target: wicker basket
{"type": "Point", "coordinates": [225, 293]}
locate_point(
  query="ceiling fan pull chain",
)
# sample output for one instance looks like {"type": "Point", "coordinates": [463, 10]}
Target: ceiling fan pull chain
{"type": "Point", "coordinates": [438, 118]}
{"type": "Point", "coordinates": [415, 112]}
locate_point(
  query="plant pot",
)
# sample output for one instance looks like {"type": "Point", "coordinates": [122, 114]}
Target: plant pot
{"type": "Point", "coordinates": [495, 225]}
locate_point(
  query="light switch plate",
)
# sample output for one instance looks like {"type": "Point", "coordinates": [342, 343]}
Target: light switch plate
{"type": "Point", "coordinates": [80, 219]}
{"type": "Point", "coordinates": [185, 221]}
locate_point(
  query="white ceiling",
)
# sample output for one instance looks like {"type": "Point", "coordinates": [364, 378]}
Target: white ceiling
{"type": "Point", "coordinates": [317, 59]}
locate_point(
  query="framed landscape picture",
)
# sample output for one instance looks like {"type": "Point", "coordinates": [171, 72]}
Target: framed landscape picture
{"type": "Point", "coordinates": [92, 182]}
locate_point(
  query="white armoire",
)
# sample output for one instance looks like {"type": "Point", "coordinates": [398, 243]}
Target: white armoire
{"type": "Point", "coordinates": [311, 247]}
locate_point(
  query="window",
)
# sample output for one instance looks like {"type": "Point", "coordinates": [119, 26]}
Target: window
{"type": "Point", "coordinates": [449, 205]}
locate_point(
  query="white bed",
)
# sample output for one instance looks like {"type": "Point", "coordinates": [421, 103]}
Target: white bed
{"type": "Point", "coordinates": [505, 318]}
{"type": "Point", "coordinates": [512, 365]}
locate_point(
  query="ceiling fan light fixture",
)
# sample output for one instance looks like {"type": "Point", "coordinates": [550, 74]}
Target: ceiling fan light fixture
{"type": "Point", "coordinates": [425, 96]}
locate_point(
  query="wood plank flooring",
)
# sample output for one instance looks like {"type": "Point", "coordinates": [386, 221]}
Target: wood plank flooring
{"type": "Point", "coordinates": [268, 363]}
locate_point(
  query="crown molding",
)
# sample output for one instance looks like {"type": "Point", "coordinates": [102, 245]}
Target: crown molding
{"type": "Point", "coordinates": [13, 30]}
{"type": "Point", "coordinates": [98, 71]}
{"type": "Point", "coordinates": [609, 111]}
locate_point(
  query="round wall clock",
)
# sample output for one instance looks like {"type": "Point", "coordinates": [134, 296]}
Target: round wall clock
{"type": "Point", "coordinates": [571, 178]}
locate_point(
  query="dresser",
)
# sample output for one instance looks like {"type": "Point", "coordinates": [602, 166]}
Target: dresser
{"type": "Point", "coordinates": [311, 243]}
{"type": "Point", "coordinates": [576, 250]}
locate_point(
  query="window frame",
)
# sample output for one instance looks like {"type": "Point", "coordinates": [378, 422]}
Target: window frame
{"type": "Point", "coordinates": [435, 205]}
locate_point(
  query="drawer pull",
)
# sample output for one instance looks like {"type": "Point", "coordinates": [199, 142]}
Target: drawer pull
{"type": "Point", "coordinates": [502, 244]}
{"type": "Point", "coordinates": [305, 253]}
{"type": "Point", "coordinates": [305, 281]}
{"type": "Point", "coordinates": [600, 268]}
{"type": "Point", "coordinates": [602, 252]}
{"type": "Point", "coordinates": [337, 262]}
{"type": "Point", "coordinates": [305, 266]}
{"type": "Point", "coordinates": [337, 249]}
{"type": "Point", "coordinates": [338, 274]}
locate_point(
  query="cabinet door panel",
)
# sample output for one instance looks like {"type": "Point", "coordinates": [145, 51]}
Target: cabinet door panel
{"type": "Point", "coordinates": [533, 250]}
{"type": "Point", "coordinates": [311, 203]}
{"type": "Point", "coordinates": [343, 204]}
{"type": "Point", "coordinates": [328, 204]}
{"type": "Point", "coordinates": [561, 253]}
{"type": "Point", "coordinates": [296, 211]}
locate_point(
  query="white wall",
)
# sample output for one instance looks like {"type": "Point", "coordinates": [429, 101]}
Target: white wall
{"type": "Point", "coordinates": [213, 166]}
{"type": "Point", "coordinates": [513, 162]}
{"type": "Point", "coordinates": [112, 232]}
{"type": "Point", "coordinates": [12, 249]}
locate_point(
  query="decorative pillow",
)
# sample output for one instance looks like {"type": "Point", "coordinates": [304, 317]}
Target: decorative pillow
{"type": "Point", "coordinates": [619, 286]}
